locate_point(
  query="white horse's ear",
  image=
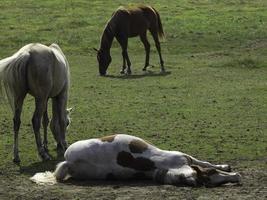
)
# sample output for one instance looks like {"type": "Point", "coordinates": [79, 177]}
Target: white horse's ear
{"type": "Point", "coordinates": [95, 49]}
{"type": "Point", "coordinates": [69, 110]}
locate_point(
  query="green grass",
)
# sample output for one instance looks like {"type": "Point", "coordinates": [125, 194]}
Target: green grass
{"type": "Point", "coordinates": [212, 103]}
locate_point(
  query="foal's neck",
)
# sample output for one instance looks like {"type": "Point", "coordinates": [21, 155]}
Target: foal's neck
{"type": "Point", "coordinates": [107, 38]}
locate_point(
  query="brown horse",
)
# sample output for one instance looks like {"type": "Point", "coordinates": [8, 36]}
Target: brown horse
{"type": "Point", "coordinates": [125, 23]}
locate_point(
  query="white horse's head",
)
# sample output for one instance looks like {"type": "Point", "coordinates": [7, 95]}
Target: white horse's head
{"type": "Point", "coordinates": [59, 126]}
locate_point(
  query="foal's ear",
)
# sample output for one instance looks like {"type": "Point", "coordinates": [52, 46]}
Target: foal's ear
{"type": "Point", "coordinates": [69, 110]}
{"type": "Point", "coordinates": [95, 49]}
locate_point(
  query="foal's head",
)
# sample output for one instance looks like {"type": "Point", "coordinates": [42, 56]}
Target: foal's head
{"type": "Point", "coordinates": [59, 126]}
{"type": "Point", "coordinates": [104, 59]}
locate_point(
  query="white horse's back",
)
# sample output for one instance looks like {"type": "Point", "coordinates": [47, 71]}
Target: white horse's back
{"type": "Point", "coordinates": [43, 72]}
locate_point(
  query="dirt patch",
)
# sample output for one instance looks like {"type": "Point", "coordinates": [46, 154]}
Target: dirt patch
{"type": "Point", "coordinates": [254, 186]}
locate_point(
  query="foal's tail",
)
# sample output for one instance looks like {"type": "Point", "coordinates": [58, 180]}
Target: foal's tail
{"type": "Point", "coordinates": [62, 171]}
{"type": "Point", "coordinates": [160, 27]}
{"type": "Point", "coordinates": [11, 69]}
{"type": "Point", "coordinates": [49, 178]}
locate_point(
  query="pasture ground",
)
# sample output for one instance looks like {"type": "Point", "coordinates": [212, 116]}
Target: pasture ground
{"type": "Point", "coordinates": [211, 103]}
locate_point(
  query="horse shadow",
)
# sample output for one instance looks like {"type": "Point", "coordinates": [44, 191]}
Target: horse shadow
{"type": "Point", "coordinates": [50, 165]}
{"type": "Point", "coordinates": [148, 73]}
{"type": "Point", "coordinates": [41, 166]}
{"type": "Point", "coordinates": [111, 183]}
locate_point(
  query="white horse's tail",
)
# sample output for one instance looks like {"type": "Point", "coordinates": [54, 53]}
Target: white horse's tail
{"type": "Point", "coordinates": [50, 178]}
{"type": "Point", "coordinates": [10, 75]}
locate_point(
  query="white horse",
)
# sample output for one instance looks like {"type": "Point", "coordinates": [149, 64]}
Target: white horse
{"type": "Point", "coordinates": [123, 157]}
{"type": "Point", "coordinates": [43, 72]}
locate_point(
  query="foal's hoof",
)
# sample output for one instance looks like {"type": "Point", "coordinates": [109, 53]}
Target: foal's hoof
{"type": "Point", "coordinates": [129, 73]}
{"type": "Point", "coordinates": [144, 69]}
{"type": "Point", "coordinates": [122, 72]}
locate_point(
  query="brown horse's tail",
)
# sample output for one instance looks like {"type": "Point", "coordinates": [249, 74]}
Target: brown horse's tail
{"type": "Point", "coordinates": [160, 28]}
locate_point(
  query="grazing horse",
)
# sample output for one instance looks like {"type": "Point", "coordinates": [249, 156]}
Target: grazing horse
{"type": "Point", "coordinates": [43, 72]}
{"type": "Point", "coordinates": [126, 23]}
{"type": "Point", "coordinates": [122, 157]}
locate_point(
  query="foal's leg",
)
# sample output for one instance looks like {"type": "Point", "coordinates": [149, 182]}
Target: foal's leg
{"type": "Point", "coordinates": [156, 39]}
{"type": "Point", "coordinates": [123, 41]}
{"type": "Point", "coordinates": [16, 125]}
{"type": "Point", "coordinates": [204, 164]}
{"type": "Point", "coordinates": [45, 125]}
{"type": "Point", "coordinates": [214, 177]}
{"type": "Point", "coordinates": [40, 106]}
{"type": "Point", "coordinates": [144, 40]}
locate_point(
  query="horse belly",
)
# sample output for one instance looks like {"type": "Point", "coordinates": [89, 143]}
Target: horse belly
{"type": "Point", "coordinates": [138, 25]}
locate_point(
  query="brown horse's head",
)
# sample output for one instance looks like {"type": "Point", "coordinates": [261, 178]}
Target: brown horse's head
{"type": "Point", "coordinates": [104, 59]}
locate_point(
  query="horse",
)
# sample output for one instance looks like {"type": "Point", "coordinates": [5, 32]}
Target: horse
{"type": "Point", "coordinates": [124, 157]}
{"type": "Point", "coordinates": [43, 72]}
{"type": "Point", "coordinates": [126, 23]}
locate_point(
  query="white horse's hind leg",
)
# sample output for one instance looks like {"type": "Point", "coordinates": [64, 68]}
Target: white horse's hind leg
{"type": "Point", "coordinates": [16, 125]}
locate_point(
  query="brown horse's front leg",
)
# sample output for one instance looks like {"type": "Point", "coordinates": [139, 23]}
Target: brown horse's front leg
{"type": "Point", "coordinates": [123, 41]}
{"type": "Point", "coordinates": [125, 53]}
{"type": "Point", "coordinates": [123, 65]}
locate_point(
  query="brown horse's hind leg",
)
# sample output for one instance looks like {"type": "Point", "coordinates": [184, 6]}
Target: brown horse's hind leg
{"type": "Point", "coordinates": [144, 40]}
{"type": "Point", "coordinates": [156, 39]}
{"type": "Point", "coordinates": [36, 123]}
{"type": "Point", "coordinates": [16, 126]}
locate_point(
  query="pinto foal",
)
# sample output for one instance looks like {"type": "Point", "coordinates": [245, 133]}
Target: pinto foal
{"type": "Point", "coordinates": [122, 157]}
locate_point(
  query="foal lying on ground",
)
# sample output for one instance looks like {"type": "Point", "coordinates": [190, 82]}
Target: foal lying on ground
{"type": "Point", "coordinates": [122, 157]}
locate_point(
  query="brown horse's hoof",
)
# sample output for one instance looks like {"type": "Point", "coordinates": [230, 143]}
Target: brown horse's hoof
{"type": "Point", "coordinates": [122, 72]}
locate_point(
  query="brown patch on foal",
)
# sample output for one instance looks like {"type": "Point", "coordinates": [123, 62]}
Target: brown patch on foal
{"type": "Point", "coordinates": [138, 146]}
{"type": "Point", "coordinates": [109, 138]}
{"type": "Point", "coordinates": [126, 159]}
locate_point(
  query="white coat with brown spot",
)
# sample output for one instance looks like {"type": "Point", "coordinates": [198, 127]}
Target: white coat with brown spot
{"type": "Point", "coordinates": [121, 157]}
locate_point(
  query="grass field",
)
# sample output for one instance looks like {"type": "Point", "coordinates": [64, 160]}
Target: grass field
{"type": "Point", "coordinates": [211, 103]}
